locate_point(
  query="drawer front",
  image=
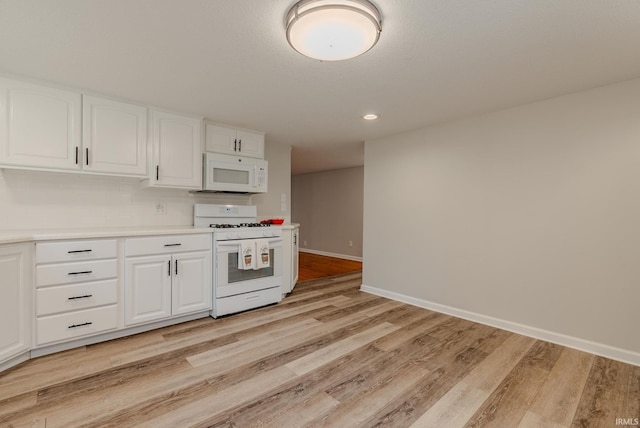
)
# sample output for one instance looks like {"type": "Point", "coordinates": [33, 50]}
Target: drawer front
{"type": "Point", "coordinates": [70, 251]}
{"type": "Point", "coordinates": [76, 324]}
{"type": "Point", "coordinates": [65, 298]}
{"type": "Point", "coordinates": [73, 273]}
{"type": "Point", "coordinates": [167, 244]}
{"type": "Point", "coordinates": [242, 302]}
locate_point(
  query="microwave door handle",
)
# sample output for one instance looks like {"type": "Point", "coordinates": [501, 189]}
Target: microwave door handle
{"type": "Point", "coordinates": [255, 176]}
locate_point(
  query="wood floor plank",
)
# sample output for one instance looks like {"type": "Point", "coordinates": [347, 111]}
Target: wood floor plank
{"type": "Point", "coordinates": [510, 401]}
{"type": "Point", "coordinates": [288, 399]}
{"type": "Point", "coordinates": [323, 356]}
{"type": "Point", "coordinates": [406, 409]}
{"type": "Point", "coordinates": [421, 324]}
{"type": "Point", "coordinates": [214, 333]}
{"type": "Point", "coordinates": [319, 403]}
{"type": "Point", "coordinates": [558, 398]}
{"type": "Point", "coordinates": [454, 409]}
{"type": "Point", "coordinates": [196, 413]}
{"type": "Point", "coordinates": [355, 411]}
{"type": "Point", "coordinates": [605, 395]}
{"type": "Point", "coordinates": [487, 375]}
{"type": "Point", "coordinates": [534, 420]}
{"type": "Point", "coordinates": [252, 344]}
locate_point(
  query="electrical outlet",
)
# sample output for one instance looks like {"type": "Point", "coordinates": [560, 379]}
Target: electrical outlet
{"type": "Point", "coordinates": [161, 208]}
{"type": "Point", "coordinates": [351, 243]}
{"type": "Point", "coordinates": [304, 243]}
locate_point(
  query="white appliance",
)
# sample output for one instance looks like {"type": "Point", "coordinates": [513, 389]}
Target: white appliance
{"type": "Point", "coordinates": [237, 288]}
{"type": "Point", "coordinates": [228, 173]}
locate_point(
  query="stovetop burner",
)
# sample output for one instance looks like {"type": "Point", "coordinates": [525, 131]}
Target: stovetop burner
{"type": "Point", "coordinates": [230, 226]}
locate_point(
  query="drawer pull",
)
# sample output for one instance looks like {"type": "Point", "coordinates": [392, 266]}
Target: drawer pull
{"type": "Point", "coordinates": [79, 251]}
{"type": "Point", "coordinates": [86, 296]}
{"type": "Point", "coordinates": [172, 245]}
{"type": "Point", "coordinates": [84, 272]}
{"type": "Point", "coordinates": [80, 325]}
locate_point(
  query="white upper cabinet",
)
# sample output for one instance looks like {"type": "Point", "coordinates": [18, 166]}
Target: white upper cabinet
{"type": "Point", "coordinates": [40, 126]}
{"type": "Point", "coordinates": [114, 137]}
{"type": "Point", "coordinates": [177, 151]}
{"type": "Point", "coordinates": [222, 139]}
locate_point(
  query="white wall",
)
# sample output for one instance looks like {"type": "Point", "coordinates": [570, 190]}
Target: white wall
{"type": "Point", "coordinates": [328, 206]}
{"type": "Point", "coordinates": [43, 200]}
{"type": "Point", "coordinates": [530, 215]}
{"type": "Point", "coordinates": [270, 204]}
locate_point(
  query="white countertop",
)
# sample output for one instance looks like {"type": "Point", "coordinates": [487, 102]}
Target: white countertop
{"type": "Point", "coordinates": [14, 236]}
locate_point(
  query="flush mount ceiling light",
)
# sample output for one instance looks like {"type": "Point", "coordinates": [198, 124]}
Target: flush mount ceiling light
{"type": "Point", "coordinates": [370, 116]}
{"type": "Point", "coordinates": [333, 30]}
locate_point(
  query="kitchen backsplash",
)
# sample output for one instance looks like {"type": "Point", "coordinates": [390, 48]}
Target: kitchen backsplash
{"type": "Point", "coordinates": [43, 200]}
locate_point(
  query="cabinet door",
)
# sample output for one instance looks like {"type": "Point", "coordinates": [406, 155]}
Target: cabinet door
{"type": "Point", "coordinates": [15, 300]}
{"type": "Point", "coordinates": [294, 258]}
{"type": "Point", "coordinates": [177, 151]}
{"type": "Point", "coordinates": [114, 137]}
{"type": "Point", "coordinates": [220, 139]}
{"type": "Point", "coordinates": [39, 126]}
{"type": "Point", "coordinates": [192, 284]}
{"type": "Point", "coordinates": [147, 289]}
{"type": "Point", "coordinates": [251, 144]}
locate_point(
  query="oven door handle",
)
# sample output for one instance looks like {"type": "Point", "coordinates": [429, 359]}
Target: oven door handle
{"type": "Point", "coordinates": [273, 242]}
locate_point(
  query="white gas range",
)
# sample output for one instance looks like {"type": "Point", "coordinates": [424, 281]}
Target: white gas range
{"type": "Point", "coordinates": [247, 257]}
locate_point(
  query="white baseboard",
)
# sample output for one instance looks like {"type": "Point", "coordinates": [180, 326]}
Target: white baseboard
{"type": "Point", "coordinates": [626, 356]}
{"type": "Point", "coordinates": [325, 253]}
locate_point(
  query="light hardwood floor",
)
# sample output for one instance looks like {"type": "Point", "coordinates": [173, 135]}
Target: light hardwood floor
{"type": "Point", "coordinates": [328, 355]}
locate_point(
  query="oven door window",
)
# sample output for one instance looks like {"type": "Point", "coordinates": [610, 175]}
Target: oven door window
{"type": "Point", "coordinates": [238, 275]}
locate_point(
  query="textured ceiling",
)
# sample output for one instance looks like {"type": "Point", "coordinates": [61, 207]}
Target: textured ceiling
{"type": "Point", "coordinates": [228, 60]}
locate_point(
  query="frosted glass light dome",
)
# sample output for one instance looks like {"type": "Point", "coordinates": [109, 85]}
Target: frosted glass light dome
{"type": "Point", "coordinates": [333, 30]}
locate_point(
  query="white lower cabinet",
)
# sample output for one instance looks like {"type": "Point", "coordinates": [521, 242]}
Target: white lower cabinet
{"type": "Point", "coordinates": [147, 289]}
{"type": "Point", "coordinates": [290, 258]}
{"type": "Point", "coordinates": [175, 282]}
{"type": "Point", "coordinates": [76, 289]}
{"type": "Point", "coordinates": [15, 300]}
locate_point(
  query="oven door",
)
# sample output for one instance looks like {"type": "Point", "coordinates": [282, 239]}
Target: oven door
{"type": "Point", "coordinates": [231, 280]}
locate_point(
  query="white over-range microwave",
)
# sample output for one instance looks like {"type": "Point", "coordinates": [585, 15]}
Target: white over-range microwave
{"type": "Point", "coordinates": [228, 173]}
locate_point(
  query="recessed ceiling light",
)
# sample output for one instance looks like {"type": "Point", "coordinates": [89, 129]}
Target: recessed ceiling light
{"type": "Point", "coordinates": [333, 30]}
{"type": "Point", "coordinates": [370, 116]}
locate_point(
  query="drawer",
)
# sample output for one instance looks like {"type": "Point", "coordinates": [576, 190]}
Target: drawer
{"type": "Point", "coordinates": [69, 251]}
{"type": "Point", "coordinates": [167, 244]}
{"type": "Point", "coordinates": [73, 273]}
{"type": "Point", "coordinates": [242, 302]}
{"type": "Point", "coordinates": [76, 324]}
{"type": "Point", "coordinates": [65, 298]}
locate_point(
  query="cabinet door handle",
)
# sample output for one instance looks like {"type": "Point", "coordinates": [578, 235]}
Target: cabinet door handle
{"type": "Point", "coordinates": [240, 145]}
{"type": "Point", "coordinates": [86, 296]}
{"type": "Point", "coordinates": [79, 251]}
{"type": "Point", "coordinates": [295, 239]}
{"type": "Point", "coordinates": [235, 145]}
{"type": "Point", "coordinates": [176, 267]}
{"type": "Point", "coordinates": [157, 172]}
{"type": "Point", "coordinates": [172, 245]}
{"type": "Point", "coordinates": [80, 325]}
{"type": "Point", "coordinates": [84, 272]}
{"type": "Point", "coordinates": [169, 268]}
{"type": "Point", "coordinates": [87, 156]}
{"type": "Point", "coordinates": [77, 149]}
